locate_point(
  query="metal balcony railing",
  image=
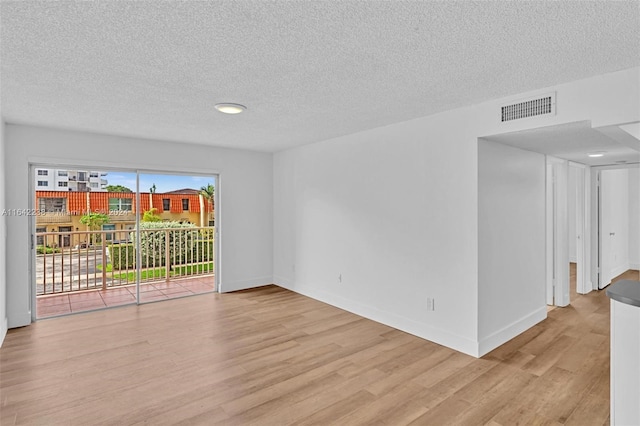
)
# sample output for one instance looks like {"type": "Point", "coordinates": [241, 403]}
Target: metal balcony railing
{"type": "Point", "coordinates": [86, 260]}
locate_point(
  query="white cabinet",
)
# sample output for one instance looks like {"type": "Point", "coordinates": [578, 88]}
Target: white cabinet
{"type": "Point", "coordinates": [625, 353]}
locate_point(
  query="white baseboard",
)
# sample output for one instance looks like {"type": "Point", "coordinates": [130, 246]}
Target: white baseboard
{"type": "Point", "coordinates": [620, 270]}
{"type": "Point", "coordinates": [635, 266]}
{"type": "Point", "coordinates": [227, 286]}
{"type": "Point", "coordinates": [507, 333]}
{"type": "Point", "coordinates": [588, 288]}
{"type": "Point", "coordinates": [284, 282]}
{"type": "Point", "coordinates": [422, 330]}
{"type": "Point", "coordinates": [3, 330]}
{"type": "Point", "coordinates": [19, 320]}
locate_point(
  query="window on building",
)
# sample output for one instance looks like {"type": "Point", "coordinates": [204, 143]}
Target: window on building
{"type": "Point", "coordinates": [93, 184]}
{"type": "Point", "coordinates": [40, 238]}
{"type": "Point", "coordinates": [43, 183]}
{"type": "Point", "coordinates": [43, 172]}
{"type": "Point", "coordinates": [62, 173]}
{"type": "Point", "coordinates": [166, 204]}
{"type": "Point", "coordinates": [63, 184]}
{"type": "Point", "coordinates": [93, 174]}
{"type": "Point", "coordinates": [120, 204]}
{"type": "Point", "coordinates": [52, 205]}
{"type": "Point", "coordinates": [82, 176]}
{"type": "Point", "coordinates": [109, 227]}
{"type": "Point", "coordinates": [185, 204]}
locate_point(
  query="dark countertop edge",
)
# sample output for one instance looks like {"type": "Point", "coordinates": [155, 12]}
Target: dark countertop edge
{"type": "Point", "coordinates": [625, 291]}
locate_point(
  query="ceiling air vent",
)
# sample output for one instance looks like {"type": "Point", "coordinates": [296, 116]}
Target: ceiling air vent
{"type": "Point", "coordinates": [545, 105]}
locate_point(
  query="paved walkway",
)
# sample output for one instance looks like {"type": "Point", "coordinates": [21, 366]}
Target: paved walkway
{"type": "Point", "coordinates": [67, 303]}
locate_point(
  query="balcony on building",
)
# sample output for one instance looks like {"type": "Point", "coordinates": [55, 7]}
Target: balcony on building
{"type": "Point", "coordinates": [46, 218]}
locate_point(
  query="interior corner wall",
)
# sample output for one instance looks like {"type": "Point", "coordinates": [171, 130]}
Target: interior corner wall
{"type": "Point", "coordinates": [634, 218]}
{"type": "Point", "coordinates": [245, 213]}
{"type": "Point", "coordinates": [3, 238]}
{"type": "Point", "coordinates": [378, 222]}
{"type": "Point", "coordinates": [511, 229]}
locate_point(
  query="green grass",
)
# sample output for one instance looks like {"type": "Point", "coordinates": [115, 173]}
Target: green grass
{"type": "Point", "coordinates": [109, 267]}
{"type": "Point", "coordinates": [47, 250]}
{"type": "Point", "coordinates": [161, 272]}
{"type": "Point", "coordinates": [192, 269]}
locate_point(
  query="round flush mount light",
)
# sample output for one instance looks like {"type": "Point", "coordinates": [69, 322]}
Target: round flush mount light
{"type": "Point", "coordinates": [596, 154]}
{"type": "Point", "coordinates": [228, 108]}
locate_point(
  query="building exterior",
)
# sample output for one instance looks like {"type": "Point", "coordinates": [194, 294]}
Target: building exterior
{"type": "Point", "coordinates": [70, 180]}
{"type": "Point", "coordinates": [60, 211]}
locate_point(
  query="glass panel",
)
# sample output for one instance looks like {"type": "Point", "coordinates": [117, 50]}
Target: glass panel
{"type": "Point", "coordinates": [176, 241]}
{"type": "Point", "coordinates": [79, 266]}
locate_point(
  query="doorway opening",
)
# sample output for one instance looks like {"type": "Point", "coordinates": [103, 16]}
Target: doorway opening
{"type": "Point", "coordinates": [567, 148]}
{"type": "Point", "coordinates": [117, 237]}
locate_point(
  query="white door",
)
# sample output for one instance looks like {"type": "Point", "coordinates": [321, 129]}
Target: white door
{"type": "Point", "coordinates": [606, 233]}
{"type": "Point", "coordinates": [613, 226]}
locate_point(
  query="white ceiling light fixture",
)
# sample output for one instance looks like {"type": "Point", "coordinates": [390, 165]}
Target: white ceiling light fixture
{"type": "Point", "coordinates": [596, 154]}
{"type": "Point", "coordinates": [229, 108]}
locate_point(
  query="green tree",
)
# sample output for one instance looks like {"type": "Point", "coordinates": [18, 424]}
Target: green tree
{"type": "Point", "coordinates": [94, 222]}
{"type": "Point", "coordinates": [207, 191]}
{"type": "Point", "coordinates": [153, 242]}
{"type": "Point", "coordinates": [117, 188]}
{"type": "Point", "coordinates": [151, 216]}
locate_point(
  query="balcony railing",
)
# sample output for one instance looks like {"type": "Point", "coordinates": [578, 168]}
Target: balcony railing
{"type": "Point", "coordinates": [122, 216]}
{"type": "Point", "coordinates": [53, 217]}
{"type": "Point", "coordinates": [86, 260]}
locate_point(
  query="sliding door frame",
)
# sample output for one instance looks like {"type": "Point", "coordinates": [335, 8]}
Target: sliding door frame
{"type": "Point", "coordinates": [60, 163]}
{"type": "Point", "coordinates": [216, 236]}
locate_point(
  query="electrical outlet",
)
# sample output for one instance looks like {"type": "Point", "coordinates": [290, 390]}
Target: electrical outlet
{"type": "Point", "coordinates": [431, 304]}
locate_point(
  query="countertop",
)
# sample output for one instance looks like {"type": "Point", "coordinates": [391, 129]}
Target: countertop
{"type": "Point", "coordinates": [625, 291]}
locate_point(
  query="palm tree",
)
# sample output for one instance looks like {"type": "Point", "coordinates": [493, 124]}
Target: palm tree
{"type": "Point", "coordinates": [207, 191]}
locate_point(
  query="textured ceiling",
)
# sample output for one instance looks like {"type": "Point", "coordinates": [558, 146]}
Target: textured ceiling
{"type": "Point", "coordinates": [307, 71]}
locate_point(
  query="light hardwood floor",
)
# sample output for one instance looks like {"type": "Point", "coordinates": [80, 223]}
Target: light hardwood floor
{"type": "Point", "coordinates": [271, 357]}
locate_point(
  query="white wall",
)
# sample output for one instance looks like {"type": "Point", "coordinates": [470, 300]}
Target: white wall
{"type": "Point", "coordinates": [634, 218]}
{"type": "Point", "coordinates": [245, 212]}
{"type": "Point", "coordinates": [3, 238]}
{"type": "Point", "coordinates": [394, 211]}
{"type": "Point", "coordinates": [511, 242]}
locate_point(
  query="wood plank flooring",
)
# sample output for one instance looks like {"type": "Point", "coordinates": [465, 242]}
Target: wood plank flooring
{"type": "Point", "coordinates": [272, 357]}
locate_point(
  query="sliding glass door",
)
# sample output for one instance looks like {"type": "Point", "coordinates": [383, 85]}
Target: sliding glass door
{"type": "Point", "coordinates": [102, 239]}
